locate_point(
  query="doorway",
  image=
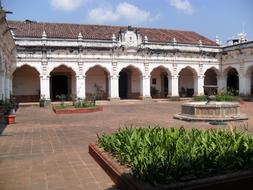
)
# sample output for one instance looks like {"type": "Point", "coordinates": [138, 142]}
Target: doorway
{"type": "Point", "coordinates": [123, 85]}
{"type": "Point", "coordinates": [59, 85]}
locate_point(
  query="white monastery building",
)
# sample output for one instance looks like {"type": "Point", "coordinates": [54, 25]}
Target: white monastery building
{"type": "Point", "coordinates": [117, 62]}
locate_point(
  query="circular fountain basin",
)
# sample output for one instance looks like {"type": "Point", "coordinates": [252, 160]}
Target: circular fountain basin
{"type": "Point", "coordinates": [211, 111]}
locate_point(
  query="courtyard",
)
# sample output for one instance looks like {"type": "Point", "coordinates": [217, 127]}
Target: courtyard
{"type": "Point", "coordinates": [45, 151]}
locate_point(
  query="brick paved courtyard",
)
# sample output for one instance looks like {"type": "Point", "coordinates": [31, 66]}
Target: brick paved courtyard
{"type": "Point", "coordinates": [44, 151]}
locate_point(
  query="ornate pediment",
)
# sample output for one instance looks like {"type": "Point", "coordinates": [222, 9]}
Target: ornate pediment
{"type": "Point", "coordinates": [130, 38]}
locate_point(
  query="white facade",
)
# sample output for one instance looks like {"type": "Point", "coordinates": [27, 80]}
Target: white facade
{"type": "Point", "coordinates": [91, 67]}
{"type": "Point", "coordinates": [7, 58]}
{"type": "Point", "coordinates": [126, 67]}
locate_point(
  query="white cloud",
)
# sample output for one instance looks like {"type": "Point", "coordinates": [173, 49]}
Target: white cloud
{"type": "Point", "coordinates": [67, 5]}
{"type": "Point", "coordinates": [132, 13]}
{"type": "Point", "coordinates": [101, 15]}
{"type": "Point", "coordinates": [183, 5]}
{"type": "Point", "coordinates": [123, 12]}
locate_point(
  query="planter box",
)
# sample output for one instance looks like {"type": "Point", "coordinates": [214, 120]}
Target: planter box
{"type": "Point", "coordinates": [77, 110]}
{"type": "Point", "coordinates": [10, 119]}
{"type": "Point", "coordinates": [122, 178]}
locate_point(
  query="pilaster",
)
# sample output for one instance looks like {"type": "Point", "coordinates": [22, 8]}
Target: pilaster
{"type": "Point", "coordinates": [174, 86]}
{"type": "Point", "coordinates": [145, 87]}
{"type": "Point", "coordinates": [198, 85]}
{"type": "Point", "coordinates": [45, 86]}
{"type": "Point", "coordinates": [114, 88]}
{"type": "Point", "coordinates": [80, 86]}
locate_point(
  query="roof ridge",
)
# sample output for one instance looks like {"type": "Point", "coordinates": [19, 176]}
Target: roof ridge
{"type": "Point", "coordinates": [102, 25]}
{"type": "Point", "coordinates": [96, 31]}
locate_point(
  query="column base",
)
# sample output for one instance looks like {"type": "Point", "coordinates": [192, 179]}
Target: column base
{"type": "Point", "coordinates": [45, 103]}
{"type": "Point", "coordinates": [114, 100]}
{"type": "Point", "coordinates": [174, 98]}
{"type": "Point", "coordinates": [146, 98]}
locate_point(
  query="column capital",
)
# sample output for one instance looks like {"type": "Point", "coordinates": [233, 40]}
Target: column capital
{"type": "Point", "coordinates": [145, 76]}
{"type": "Point", "coordinates": [113, 76]}
{"type": "Point", "coordinates": [45, 77]}
{"type": "Point", "coordinates": [80, 76]}
{"type": "Point", "coordinates": [200, 76]}
{"type": "Point", "coordinates": [175, 76]}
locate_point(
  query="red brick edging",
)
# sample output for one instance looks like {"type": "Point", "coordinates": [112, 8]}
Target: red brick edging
{"type": "Point", "coordinates": [236, 180]}
{"type": "Point", "coordinates": [77, 110]}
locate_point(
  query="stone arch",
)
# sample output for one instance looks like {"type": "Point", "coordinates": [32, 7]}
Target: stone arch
{"type": "Point", "coordinates": [26, 83]}
{"type": "Point", "coordinates": [86, 69]}
{"type": "Point", "coordinates": [62, 81]}
{"type": "Point", "coordinates": [19, 65]}
{"type": "Point", "coordinates": [97, 82]}
{"type": "Point", "coordinates": [187, 81]}
{"type": "Point", "coordinates": [160, 78]}
{"type": "Point", "coordinates": [53, 66]}
{"type": "Point", "coordinates": [193, 70]}
{"type": "Point", "coordinates": [130, 82]}
{"type": "Point", "coordinates": [216, 70]}
{"type": "Point", "coordinates": [137, 67]}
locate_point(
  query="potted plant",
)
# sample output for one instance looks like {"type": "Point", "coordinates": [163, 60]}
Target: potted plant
{"type": "Point", "coordinates": [10, 111]}
{"type": "Point", "coordinates": [43, 101]}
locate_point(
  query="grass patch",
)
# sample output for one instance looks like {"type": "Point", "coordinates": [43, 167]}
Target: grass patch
{"type": "Point", "coordinates": [167, 155]}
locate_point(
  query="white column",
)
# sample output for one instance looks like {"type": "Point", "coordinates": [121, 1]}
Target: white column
{"type": "Point", "coordinates": [247, 85]}
{"type": "Point", "coordinates": [7, 85]}
{"type": "Point", "coordinates": [198, 85]}
{"type": "Point", "coordinates": [222, 82]}
{"type": "Point", "coordinates": [10, 85]}
{"type": "Point", "coordinates": [80, 86]}
{"type": "Point", "coordinates": [45, 86]}
{"type": "Point", "coordinates": [243, 85]}
{"type": "Point", "coordinates": [174, 85]}
{"type": "Point", "coordinates": [113, 87]}
{"type": "Point", "coordinates": [145, 87]}
{"type": "Point", "coordinates": [2, 85]}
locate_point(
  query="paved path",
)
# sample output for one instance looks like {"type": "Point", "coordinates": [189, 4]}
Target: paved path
{"type": "Point", "coordinates": [44, 151]}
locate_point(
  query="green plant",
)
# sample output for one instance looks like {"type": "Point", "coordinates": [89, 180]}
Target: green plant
{"type": "Point", "coordinates": [165, 155]}
{"type": "Point", "coordinates": [84, 103]}
{"type": "Point", "coordinates": [200, 98]}
{"type": "Point", "coordinates": [227, 98]}
{"type": "Point", "coordinates": [63, 98]}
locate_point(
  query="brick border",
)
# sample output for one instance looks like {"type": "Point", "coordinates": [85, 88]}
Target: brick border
{"type": "Point", "coordinates": [77, 110]}
{"type": "Point", "coordinates": [234, 180]}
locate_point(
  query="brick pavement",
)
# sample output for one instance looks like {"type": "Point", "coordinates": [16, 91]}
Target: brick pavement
{"type": "Point", "coordinates": [45, 151]}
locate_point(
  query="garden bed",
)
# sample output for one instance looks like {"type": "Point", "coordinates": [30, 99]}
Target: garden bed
{"type": "Point", "coordinates": [132, 166]}
{"type": "Point", "coordinates": [72, 109]}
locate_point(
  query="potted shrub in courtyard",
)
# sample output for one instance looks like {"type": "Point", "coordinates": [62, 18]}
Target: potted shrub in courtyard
{"type": "Point", "coordinates": [172, 158]}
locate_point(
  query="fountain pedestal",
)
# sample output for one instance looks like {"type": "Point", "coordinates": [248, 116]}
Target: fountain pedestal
{"type": "Point", "coordinates": [210, 110]}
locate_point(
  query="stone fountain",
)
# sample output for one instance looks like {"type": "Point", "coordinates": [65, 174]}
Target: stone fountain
{"type": "Point", "coordinates": [210, 110]}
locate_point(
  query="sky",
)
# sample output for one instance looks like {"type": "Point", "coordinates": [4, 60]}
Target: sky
{"type": "Point", "coordinates": [211, 18]}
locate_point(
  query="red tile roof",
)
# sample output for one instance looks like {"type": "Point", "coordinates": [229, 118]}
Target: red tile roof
{"type": "Point", "coordinates": [102, 32]}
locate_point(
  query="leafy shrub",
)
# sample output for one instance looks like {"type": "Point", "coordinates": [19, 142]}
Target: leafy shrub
{"type": "Point", "coordinates": [84, 103]}
{"type": "Point", "coordinates": [219, 98]}
{"type": "Point", "coordinates": [63, 98]}
{"type": "Point", "coordinates": [226, 98]}
{"type": "Point", "coordinates": [165, 155]}
{"type": "Point", "coordinates": [200, 98]}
